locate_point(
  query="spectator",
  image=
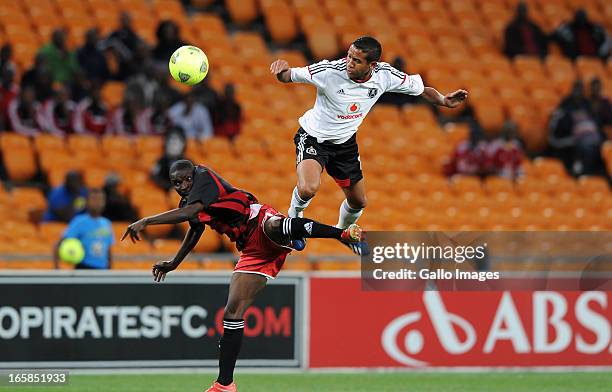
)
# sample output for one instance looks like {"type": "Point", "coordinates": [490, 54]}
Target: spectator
{"type": "Point", "coordinates": [503, 156]}
{"type": "Point", "coordinates": [124, 44]}
{"type": "Point", "coordinates": [174, 149]}
{"type": "Point", "coordinates": [581, 37]}
{"type": "Point", "coordinates": [168, 40]}
{"type": "Point", "coordinates": [62, 62]}
{"type": "Point", "coordinates": [23, 113]}
{"type": "Point", "coordinates": [144, 83]}
{"type": "Point", "coordinates": [118, 207]}
{"type": "Point", "coordinates": [164, 86]}
{"type": "Point", "coordinates": [57, 114]}
{"type": "Point", "coordinates": [229, 114]}
{"type": "Point", "coordinates": [206, 95]}
{"type": "Point", "coordinates": [39, 77]}
{"type": "Point", "coordinates": [600, 105]}
{"type": "Point", "coordinates": [92, 59]}
{"type": "Point", "coordinates": [6, 54]}
{"type": "Point", "coordinates": [573, 133]}
{"type": "Point", "coordinates": [468, 157]}
{"type": "Point", "coordinates": [159, 116]}
{"type": "Point", "coordinates": [130, 118]}
{"type": "Point", "coordinates": [192, 117]}
{"type": "Point", "coordinates": [523, 37]}
{"type": "Point", "coordinates": [80, 86]}
{"type": "Point", "coordinates": [90, 115]}
{"type": "Point", "coordinates": [8, 91]}
{"type": "Point", "coordinates": [95, 233]}
{"type": "Point", "coordinates": [66, 200]}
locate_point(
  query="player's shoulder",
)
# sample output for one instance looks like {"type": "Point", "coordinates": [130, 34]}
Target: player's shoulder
{"type": "Point", "coordinates": [338, 65]}
{"type": "Point", "coordinates": [387, 70]}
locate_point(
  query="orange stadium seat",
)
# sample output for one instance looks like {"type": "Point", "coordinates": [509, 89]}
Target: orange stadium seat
{"type": "Point", "coordinates": [589, 67]}
{"type": "Point", "coordinates": [280, 22]}
{"type": "Point", "coordinates": [594, 188]}
{"type": "Point", "coordinates": [242, 12]}
{"type": "Point", "coordinates": [51, 232]}
{"type": "Point", "coordinates": [28, 198]}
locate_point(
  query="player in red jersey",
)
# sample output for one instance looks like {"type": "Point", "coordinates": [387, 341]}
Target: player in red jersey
{"type": "Point", "coordinates": [261, 233]}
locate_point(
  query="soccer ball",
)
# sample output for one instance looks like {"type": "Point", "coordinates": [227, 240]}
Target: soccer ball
{"type": "Point", "coordinates": [188, 65]}
{"type": "Point", "coordinates": [71, 251]}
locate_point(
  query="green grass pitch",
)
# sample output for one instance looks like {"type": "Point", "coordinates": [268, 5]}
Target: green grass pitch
{"type": "Point", "coordinates": [349, 382]}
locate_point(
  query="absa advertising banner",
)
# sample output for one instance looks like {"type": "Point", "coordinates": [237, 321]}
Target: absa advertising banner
{"type": "Point", "coordinates": [354, 328]}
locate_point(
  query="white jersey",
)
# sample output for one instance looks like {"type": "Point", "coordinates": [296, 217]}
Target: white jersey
{"type": "Point", "coordinates": [342, 103]}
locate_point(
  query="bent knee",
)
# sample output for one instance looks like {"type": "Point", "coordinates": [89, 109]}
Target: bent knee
{"type": "Point", "coordinates": [307, 191]}
{"type": "Point", "coordinates": [358, 203]}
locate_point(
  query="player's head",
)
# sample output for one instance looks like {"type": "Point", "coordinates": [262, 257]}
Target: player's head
{"type": "Point", "coordinates": [181, 176]}
{"type": "Point", "coordinates": [96, 200]}
{"type": "Point", "coordinates": [363, 54]}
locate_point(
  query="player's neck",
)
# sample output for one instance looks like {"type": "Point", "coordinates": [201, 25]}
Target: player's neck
{"type": "Point", "coordinates": [364, 79]}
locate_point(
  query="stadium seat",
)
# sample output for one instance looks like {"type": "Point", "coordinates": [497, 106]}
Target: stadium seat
{"type": "Point", "coordinates": [280, 22]}
{"type": "Point", "coordinates": [51, 232]}
{"type": "Point", "coordinates": [242, 12]}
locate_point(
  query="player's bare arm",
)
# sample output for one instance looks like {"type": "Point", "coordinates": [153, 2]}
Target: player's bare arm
{"type": "Point", "coordinates": [192, 237]}
{"type": "Point", "coordinates": [281, 69]}
{"type": "Point", "coordinates": [450, 100]}
{"type": "Point", "coordinates": [177, 215]}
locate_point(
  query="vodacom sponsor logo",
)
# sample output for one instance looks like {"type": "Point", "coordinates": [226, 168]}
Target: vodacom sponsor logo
{"type": "Point", "coordinates": [552, 331]}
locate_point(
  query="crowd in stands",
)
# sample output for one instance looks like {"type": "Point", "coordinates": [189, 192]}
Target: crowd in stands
{"type": "Point", "coordinates": [61, 93]}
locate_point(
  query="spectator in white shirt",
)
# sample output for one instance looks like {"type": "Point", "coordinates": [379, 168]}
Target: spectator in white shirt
{"type": "Point", "coordinates": [192, 117]}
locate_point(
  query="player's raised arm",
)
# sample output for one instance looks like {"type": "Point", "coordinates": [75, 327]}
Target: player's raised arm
{"type": "Point", "coordinates": [281, 69]}
{"type": "Point", "coordinates": [177, 215]}
{"type": "Point", "coordinates": [450, 100]}
{"type": "Point", "coordinates": [189, 242]}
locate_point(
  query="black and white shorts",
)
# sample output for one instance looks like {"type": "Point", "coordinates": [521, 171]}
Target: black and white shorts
{"type": "Point", "coordinates": [340, 160]}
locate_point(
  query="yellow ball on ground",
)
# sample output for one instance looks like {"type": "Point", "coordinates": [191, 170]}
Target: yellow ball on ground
{"type": "Point", "coordinates": [189, 65]}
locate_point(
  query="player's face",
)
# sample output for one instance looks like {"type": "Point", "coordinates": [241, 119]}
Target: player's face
{"type": "Point", "coordinates": [357, 66]}
{"type": "Point", "coordinates": [182, 181]}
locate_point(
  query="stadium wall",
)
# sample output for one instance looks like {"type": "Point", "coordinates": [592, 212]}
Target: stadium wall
{"type": "Point", "coordinates": [319, 321]}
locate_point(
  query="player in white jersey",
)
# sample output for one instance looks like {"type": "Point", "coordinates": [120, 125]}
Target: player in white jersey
{"type": "Point", "coordinates": [346, 91]}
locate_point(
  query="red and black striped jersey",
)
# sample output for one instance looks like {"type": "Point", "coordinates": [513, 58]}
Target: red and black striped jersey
{"type": "Point", "coordinates": [226, 209]}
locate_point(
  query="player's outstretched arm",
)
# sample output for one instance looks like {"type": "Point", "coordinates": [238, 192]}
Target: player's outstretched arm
{"type": "Point", "coordinates": [177, 215]}
{"type": "Point", "coordinates": [450, 100]}
{"type": "Point", "coordinates": [281, 69]}
{"type": "Point", "coordinates": [189, 242]}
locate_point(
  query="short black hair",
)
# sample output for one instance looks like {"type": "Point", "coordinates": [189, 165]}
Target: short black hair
{"type": "Point", "coordinates": [370, 46]}
{"type": "Point", "coordinates": [180, 165]}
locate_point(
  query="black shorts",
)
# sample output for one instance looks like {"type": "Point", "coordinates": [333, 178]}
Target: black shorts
{"type": "Point", "coordinates": [340, 160]}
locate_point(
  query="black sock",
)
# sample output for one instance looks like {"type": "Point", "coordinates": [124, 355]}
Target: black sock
{"type": "Point", "coordinates": [229, 347]}
{"type": "Point", "coordinates": [297, 228]}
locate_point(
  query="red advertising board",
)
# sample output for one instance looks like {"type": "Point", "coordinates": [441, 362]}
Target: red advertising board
{"type": "Point", "coordinates": [354, 328]}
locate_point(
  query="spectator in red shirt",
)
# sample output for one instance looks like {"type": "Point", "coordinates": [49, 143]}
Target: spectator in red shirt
{"type": "Point", "coordinates": [57, 114]}
{"type": "Point", "coordinates": [8, 91]}
{"type": "Point", "coordinates": [91, 114]}
{"type": "Point", "coordinates": [468, 157]}
{"type": "Point", "coordinates": [229, 114]}
{"type": "Point", "coordinates": [581, 37]}
{"type": "Point", "coordinates": [523, 36]}
{"type": "Point", "coordinates": [129, 118]}
{"type": "Point", "coordinates": [23, 113]}
{"type": "Point", "coordinates": [503, 156]}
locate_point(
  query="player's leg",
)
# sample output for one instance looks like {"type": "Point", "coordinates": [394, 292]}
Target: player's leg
{"type": "Point", "coordinates": [282, 230]}
{"type": "Point", "coordinates": [345, 168]}
{"type": "Point", "coordinates": [242, 292]}
{"type": "Point", "coordinates": [353, 205]}
{"type": "Point", "coordinates": [308, 182]}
